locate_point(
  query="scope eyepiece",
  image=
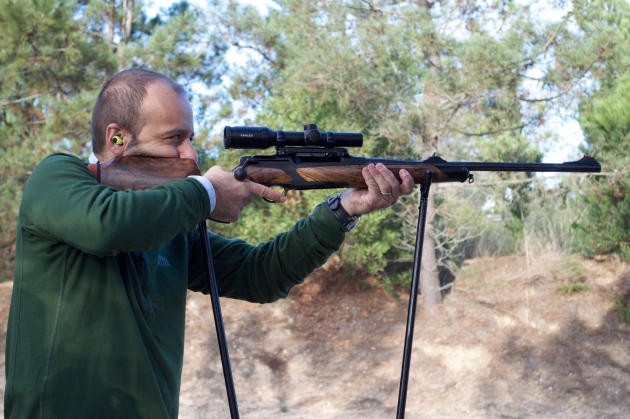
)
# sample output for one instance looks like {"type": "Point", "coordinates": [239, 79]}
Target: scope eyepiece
{"type": "Point", "coordinates": [263, 137]}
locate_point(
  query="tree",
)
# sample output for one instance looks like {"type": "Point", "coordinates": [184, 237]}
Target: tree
{"type": "Point", "coordinates": [606, 123]}
{"type": "Point", "coordinates": [468, 79]}
{"type": "Point", "coordinates": [604, 119]}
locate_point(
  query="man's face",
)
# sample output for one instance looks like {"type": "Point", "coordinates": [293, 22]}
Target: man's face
{"type": "Point", "coordinates": [168, 125]}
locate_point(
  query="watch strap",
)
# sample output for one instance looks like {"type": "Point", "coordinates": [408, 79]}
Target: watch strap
{"type": "Point", "coordinates": [333, 204]}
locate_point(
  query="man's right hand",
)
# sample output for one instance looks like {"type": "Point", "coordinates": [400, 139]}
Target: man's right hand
{"type": "Point", "coordinates": [233, 195]}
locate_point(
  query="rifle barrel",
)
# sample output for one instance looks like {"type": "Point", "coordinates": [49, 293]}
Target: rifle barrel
{"type": "Point", "coordinates": [586, 164]}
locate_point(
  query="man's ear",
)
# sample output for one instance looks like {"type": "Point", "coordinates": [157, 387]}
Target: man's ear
{"type": "Point", "coordinates": [116, 139]}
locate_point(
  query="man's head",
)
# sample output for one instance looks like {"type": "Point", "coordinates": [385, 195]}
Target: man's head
{"type": "Point", "coordinates": [141, 112]}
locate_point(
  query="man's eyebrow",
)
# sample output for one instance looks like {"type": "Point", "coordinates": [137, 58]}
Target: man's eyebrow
{"type": "Point", "coordinates": [174, 131]}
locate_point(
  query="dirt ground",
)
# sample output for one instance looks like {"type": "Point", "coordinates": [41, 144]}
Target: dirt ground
{"type": "Point", "coordinates": [505, 344]}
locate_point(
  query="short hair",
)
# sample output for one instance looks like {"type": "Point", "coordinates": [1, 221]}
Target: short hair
{"type": "Point", "coordinates": [120, 102]}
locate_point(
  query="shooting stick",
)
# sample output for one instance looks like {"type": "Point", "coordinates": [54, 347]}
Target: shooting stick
{"type": "Point", "coordinates": [413, 293]}
{"type": "Point", "coordinates": [218, 323]}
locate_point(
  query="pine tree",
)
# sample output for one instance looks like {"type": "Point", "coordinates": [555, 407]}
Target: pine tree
{"type": "Point", "coordinates": [604, 119]}
{"type": "Point", "coordinates": [606, 123]}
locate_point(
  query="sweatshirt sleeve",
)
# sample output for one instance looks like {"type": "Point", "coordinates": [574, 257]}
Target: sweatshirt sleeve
{"type": "Point", "coordinates": [63, 201]}
{"type": "Point", "coordinates": [267, 272]}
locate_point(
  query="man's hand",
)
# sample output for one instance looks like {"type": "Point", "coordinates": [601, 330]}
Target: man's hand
{"type": "Point", "coordinates": [233, 195]}
{"type": "Point", "coordinates": [382, 192]}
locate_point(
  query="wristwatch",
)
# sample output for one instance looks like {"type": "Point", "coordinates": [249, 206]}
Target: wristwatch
{"type": "Point", "coordinates": [333, 204]}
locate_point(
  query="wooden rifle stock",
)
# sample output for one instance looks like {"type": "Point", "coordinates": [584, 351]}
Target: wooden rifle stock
{"type": "Point", "coordinates": [136, 173]}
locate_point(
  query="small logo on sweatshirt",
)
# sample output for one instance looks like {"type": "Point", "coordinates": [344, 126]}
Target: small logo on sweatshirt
{"type": "Point", "coordinates": [163, 261]}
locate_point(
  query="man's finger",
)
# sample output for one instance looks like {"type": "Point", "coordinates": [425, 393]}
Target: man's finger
{"type": "Point", "coordinates": [265, 192]}
{"type": "Point", "coordinates": [370, 181]}
{"type": "Point", "coordinates": [386, 173]}
{"type": "Point", "coordinates": [407, 182]}
{"type": "Point", "coordinates": [387, 182]}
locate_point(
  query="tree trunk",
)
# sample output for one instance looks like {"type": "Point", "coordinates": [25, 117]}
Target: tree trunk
{"type": "Point", "coordinates": [129, 20]}
{"type": "Point", "coordinates": [429, 278]}
{"type": "Point", "coordinates": [125, 30]}
{"type": "Point", "coordinates": [111, 18]}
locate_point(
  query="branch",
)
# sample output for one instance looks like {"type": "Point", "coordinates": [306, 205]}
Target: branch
{"type": "Point", "coordinates": [8, 102]}
{"type": "Point", "coordinates": [545, 99]}
{"type": "Point", "coordinates": [372, 8]}
{"type": "Point", "coordinates": [481, 134]}
{"type": "Point", "coordinates": [236, 44]}
{"type": "Point", "coordinates": [552, 38]}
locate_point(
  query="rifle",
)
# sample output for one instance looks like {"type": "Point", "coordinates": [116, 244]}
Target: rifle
{"type": "Point", "coordinates": [312, 159]}
{"type": "Point", "coordinates": [317, 160]}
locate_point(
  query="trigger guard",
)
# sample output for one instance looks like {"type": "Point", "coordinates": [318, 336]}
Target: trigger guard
{"type": "Point", "coordinates": [285, 193]}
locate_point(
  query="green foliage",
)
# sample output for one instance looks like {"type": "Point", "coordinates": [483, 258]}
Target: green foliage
{"type": "Point", "coordinates": [606, 123]}
{"type": "Point", "coordinates": [572, 288]}
{"type": "Point", "coordinates": [624, 251]}
{"type": "Point", "coordinates": [393, 280]}
{"type": "Point", "coordinates": [622, 312]}
{"type": "Point", "coordinates": [371, 245]}
{"type": "Point", "coordinates": [49, 70]}
{"type": "Point", "coordinates": [572, 266]}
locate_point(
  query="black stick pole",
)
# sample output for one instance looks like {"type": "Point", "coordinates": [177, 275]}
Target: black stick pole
{"type": "Point", "coordinates": [218, 324]}
{"type": "Point", "coordinates": [413, 293]}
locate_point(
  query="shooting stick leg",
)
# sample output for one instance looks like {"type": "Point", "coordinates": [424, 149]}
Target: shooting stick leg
{"type": "Point", "coordinates": [413, 293]}
{"type": "Point", "coordinates": [218, 323]}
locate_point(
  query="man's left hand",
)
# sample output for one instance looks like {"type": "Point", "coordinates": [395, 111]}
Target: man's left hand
{"type": "Point", "coordinates": [383, 190]}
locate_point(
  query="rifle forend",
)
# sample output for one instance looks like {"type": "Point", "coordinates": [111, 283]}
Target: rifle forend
{"type": "Point", "coordinates": [317, 166]}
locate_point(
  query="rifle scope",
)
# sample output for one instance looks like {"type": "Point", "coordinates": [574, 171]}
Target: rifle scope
{"type": "Point", "coordinates": [263, 137]}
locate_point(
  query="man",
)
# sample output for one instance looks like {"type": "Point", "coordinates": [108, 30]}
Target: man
{"type": "Point", "coordinates": [96, 325]}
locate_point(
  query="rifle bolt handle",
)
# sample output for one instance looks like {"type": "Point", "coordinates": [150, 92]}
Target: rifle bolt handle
{"type": "Point", "coordinates": [240, 174]}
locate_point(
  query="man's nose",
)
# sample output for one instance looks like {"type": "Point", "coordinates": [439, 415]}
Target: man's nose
{"type": "Point", "coordinates": [187, 151]}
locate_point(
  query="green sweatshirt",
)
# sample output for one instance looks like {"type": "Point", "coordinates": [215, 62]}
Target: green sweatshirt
{"type": "Point", "coordinates": [96, 325]}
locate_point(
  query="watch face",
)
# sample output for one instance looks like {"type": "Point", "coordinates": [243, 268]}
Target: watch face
{"type": "Point", "coordinates": [334, 202]}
